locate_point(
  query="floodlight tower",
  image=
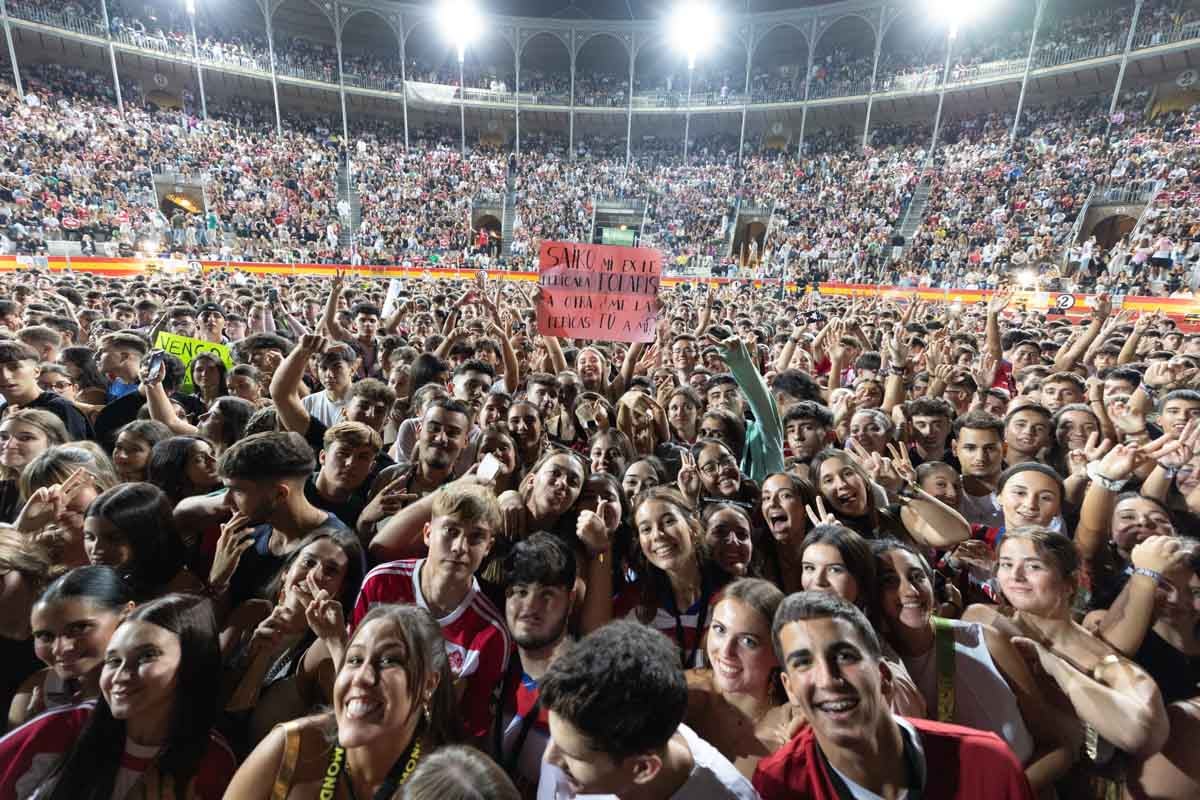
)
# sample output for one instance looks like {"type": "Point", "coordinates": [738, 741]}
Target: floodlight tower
{"type": "Point", "coordinates": [459, 21]}
{"type": "Point", "coordinates": [955, 12]}
{"type": "Point", "coordinates": [190, 6]}
{"type": "Point", "coordinates": [692, 28]}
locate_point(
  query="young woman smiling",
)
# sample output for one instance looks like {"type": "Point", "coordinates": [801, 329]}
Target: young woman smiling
{"type": "Point", "coordinates": [150, 724]}
{"type": "Point", "coordinates": [393, 704]}
{"type": "Point", "coordinates": [676, 583]}
{"type": "Point", "coordinates": [72, 622]}
{"type": "Point", "coordinates": [1038, 574]}
{"type": "Point", "coordinates": [737, 703]}
{"type": "Point", "coordinates": [24, 434]}
{"type": "Point", "coordinates": [981, 681]}
{"type": "Point", "coordinates": [854, 500]}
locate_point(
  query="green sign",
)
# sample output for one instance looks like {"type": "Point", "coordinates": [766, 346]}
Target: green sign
{"type": "Point", "coordinates": [186, 349]}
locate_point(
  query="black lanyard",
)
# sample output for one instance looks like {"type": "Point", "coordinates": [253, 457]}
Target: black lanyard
{"type": "Point", "coordinates": [509, 762]}
{"type": "Point", "coordinates": [396, 776]}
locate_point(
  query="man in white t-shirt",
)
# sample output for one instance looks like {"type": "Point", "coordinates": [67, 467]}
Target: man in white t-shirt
{"type": "Point", "coordinates": [616, 702]}
{"type": "Point", "coordinates": [338, 365]}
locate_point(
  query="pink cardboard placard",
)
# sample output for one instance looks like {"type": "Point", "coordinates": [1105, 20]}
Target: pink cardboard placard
{"type": "Point", "coordinates": [598, 291]}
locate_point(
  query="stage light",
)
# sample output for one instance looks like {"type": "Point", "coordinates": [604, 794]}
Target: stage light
{"type": "Point", "coordinates": [190, 5]}
{"type": "Point", "coordinates": [459, 21]}
{"type": "Point", "coordinates": [692, 28]}
{"type": "Point", "coordinates": [1026, 278]}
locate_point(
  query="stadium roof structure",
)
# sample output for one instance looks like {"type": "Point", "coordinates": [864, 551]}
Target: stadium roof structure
{"type": "Point", "coordinates": [630, 9]}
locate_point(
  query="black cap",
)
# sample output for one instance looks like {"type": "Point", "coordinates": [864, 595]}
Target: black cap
{"type": "Point", "coordinates": [210, 307]}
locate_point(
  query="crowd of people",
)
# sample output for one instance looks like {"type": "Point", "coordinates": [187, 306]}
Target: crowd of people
{"type": "Point", "coordinates": [308, 196]}
{"type": "Point", "coordinates": [401, 543]}
{"type": "Point", "coordinates": [913, 57]}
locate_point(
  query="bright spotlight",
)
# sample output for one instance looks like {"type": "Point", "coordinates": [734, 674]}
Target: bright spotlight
{"type": "Point", "coordinates": [956, 12]}
{"type": "Point", "coordinates": [692, 28]}
{"type": "Point", "coordinates": [460, 23]}
{"type": "Point", "coordinates": [190, 6]}
{"type": "Point", "coordinates": [1026, 278]}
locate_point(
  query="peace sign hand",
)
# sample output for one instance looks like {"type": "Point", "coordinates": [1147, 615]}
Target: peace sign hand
{"type": "Point", "coordinates": [48, 503]}
{"type": "Point", "coordinates": [820, 516]}
{"type": "Point", "coordinates": [689, 477]}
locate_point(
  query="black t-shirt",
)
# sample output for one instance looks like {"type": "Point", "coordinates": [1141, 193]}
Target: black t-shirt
{"type": "Point", "coordinates": [259, 566]}
{"type": "Point", "coordinates": [78, 427]}
{"type": "Point", "coordinates": [347, 511]}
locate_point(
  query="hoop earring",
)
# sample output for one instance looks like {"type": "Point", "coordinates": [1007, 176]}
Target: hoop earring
{"type": "Point", "coordinates": [425, 710]}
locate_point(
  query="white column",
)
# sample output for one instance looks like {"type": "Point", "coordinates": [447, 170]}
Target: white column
{"type": "Point", "coordinates": [1037, 22]}
{"type": "Point", "coordinates": [1112, 107]}
{"type": "Point", "coordinates": [269, 13]}
{"type": "Point", "coordinates": [874, 74]}
{"type": "Point", "coordinates": [812, 48]}
{"type": "Point", "coordinates": [112, 57]}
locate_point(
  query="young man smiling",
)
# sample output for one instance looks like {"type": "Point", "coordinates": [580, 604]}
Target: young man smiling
{"type": "Point", "coordinates": [617, 701]}
{"type": "Point", "coordinates": [539, 595]}
{"type": "Point", "coordinates": [464, 521]}
{"type": "Point", "coordinates": [854, 747]}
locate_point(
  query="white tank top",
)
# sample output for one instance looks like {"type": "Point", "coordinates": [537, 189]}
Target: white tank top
{"type": "Point", "coordinates": [982, 698]}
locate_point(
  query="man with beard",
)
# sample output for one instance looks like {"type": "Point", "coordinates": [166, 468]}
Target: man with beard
{"type": "Point", "coordinates": [539, 594]}
{"type": "Point", "coordinates": [854, 746]}
{"type": "Point", "coordinates": [264, 475]}
{"type": "Point", "coordinates": [459, 534]}
{"type": "Point", "coordinates": [443, 435]}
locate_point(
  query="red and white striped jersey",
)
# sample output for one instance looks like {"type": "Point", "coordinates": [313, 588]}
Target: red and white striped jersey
{"type": "Point", "coordinates": [477, 640]}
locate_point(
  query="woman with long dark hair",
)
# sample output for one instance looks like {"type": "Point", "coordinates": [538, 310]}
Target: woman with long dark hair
{"type": "Point", "coordinates": [130, 528]}
{"type": "Point", "coordinates": [183, 466]}
{"type": "Point", "coordinates": [737, 703]}
{"type": "Point", "coordinates": [273, 671]}
{"type": "Point", "coordinates": [150, 727]}
{"type": "Point", "coordinates": [80, 363]}
{"type": "Point", "coordinates": [135, 442]}
{"type": "Point", "coordinates": [72, 622]}
{"type": "Point", "coordinates": [209, 375]}
{"type": "Point", "coordinates": [393, 705]}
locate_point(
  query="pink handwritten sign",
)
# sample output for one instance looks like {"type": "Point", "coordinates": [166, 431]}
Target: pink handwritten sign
{"type": "Point", "coordinates": [598, 291]}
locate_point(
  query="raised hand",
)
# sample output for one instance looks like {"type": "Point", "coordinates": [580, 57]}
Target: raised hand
{"type": "Point", "coordinates": [270, 632]}
{"type": "Point", "coordinates": [592, 527]}
{"type": "Point", "coordinates": [985, 373]}
{"type": "Point", "coordinates": [1127, 420]}
{"type": "Point", "coordinates": [820, 515]}
{"type": "Point", "coordinates": [1161, 553]}
{"type": "Point", "coordinates": [689, 477]}
{"type": "Point", "coordinates": [312, 343]}
{"type": "Point", "coordinates": [1000, 300]}
{"type": "Point", "coordinates": [391, 499]}
{"type": "Point", "coordinates": [234, 540]}
{"type": "Point", "coordinates": [323, 613]}
{"type": "Point", "coordinates": [48, 503]}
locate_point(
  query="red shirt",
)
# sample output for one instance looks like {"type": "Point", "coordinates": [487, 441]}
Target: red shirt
{"type": "Point", "coordinates": [477, 640]}
{"type": "Point", "coordinates": [30, 753]}
{"type": "Point", "coordinates": [958, 763]}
